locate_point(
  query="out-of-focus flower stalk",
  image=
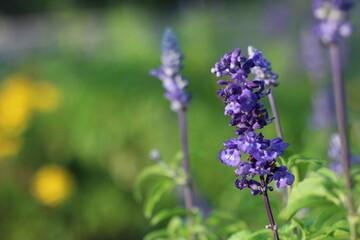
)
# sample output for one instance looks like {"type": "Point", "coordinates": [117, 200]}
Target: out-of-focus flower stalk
{"type": "Point", "coordinates": [333, 26]}
{"type": "Point", "coordinates": [175, 84]}
{"type": "Point", "coordinates": [188, 196]}
{"type": "Point", "coordinates": [340, 108]}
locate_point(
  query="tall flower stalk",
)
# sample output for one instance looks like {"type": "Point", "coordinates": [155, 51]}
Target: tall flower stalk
{"type": "Point", "coordinates": [241, 96]}
{"type": "Point", "coordinates": [174, 85]}
{"type": "Point", "coordinates": [333, 25]}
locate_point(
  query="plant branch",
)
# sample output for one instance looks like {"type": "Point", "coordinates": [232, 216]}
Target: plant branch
{"type": "Point", "coordinates": [272, 226]}
{"type": "Point", "coordinates": [188, 194]}
{"type": "Point", "coordinates": [275, 114]}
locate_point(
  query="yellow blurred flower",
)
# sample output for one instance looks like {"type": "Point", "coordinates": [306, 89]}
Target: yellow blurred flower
{"type": "Point", "coordinates": [51, 185]}
{"type": "Point", "coordinates": [19, 97]}
{"type": "Point", "coordinates": [16, 97]}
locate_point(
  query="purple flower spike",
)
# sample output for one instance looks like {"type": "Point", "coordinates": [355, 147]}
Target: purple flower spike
{"type": "Point", "coordinates": [168, 72]}
{"type": "Point", "coordinates": [333, 20]}
{"type": "Point", "coordinates": [242, 97]}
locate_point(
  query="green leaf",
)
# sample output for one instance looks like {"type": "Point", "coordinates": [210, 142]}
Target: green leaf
{"type": "Point", "coordinates": [243, 234]}
{"type": "Point", "coordinates": [225, 222]}
{"type": "Point", "coordinates": [250, 235]}
{"type": "Point", "coordinates": [155, 194]}
{"type": "Point", "coordinates": [311, 201]}
{"type": "Point", "coordinates": [299, 159]}
{"type": "Point", "coordinates": [342, 230]}
{"type": "Point", "coordinates": [155, 235]}
{"type": "Point", "coordinates": [175, 224]}
{"type": "Point", "coordinates": [301, 226]}
{"type": "Point", "coordinates": [311, 192]}
{"type": "Point", "coordinates": [167, 213]}
{"type": "Point", "coordinates": [154, 170]}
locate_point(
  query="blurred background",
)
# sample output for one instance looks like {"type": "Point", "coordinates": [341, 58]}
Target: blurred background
{"type": "Point", "coordinates": [79, 113]}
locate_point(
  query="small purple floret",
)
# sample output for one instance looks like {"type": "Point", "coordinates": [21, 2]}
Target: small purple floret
{"type": "Point", "coordinates": [283, 177]}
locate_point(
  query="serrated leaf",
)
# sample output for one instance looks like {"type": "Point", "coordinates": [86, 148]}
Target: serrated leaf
{"type": "Point", "coordinates": [155, 194]}
{"type": "Point", "coordinates": [154, 170]}
{"type": "Point", "coordinates": [167, 213]}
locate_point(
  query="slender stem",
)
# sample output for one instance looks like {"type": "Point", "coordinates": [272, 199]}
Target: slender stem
{"type": "Point", "coordinates": [272, 226]}
{"type": "Point", "coordinates": [278, 132]}
{"type": "Point", "coordinates": [340, 107]}
{"type": "Point", "coordinates": [276, 115]}
{"type": "Point", "coordinates": [188, 195]}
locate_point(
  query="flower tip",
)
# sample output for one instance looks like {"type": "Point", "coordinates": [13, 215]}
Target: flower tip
{"type": "Point", "coordinates": [169, 41]}
{"type": "Point", "coordinates": [251, 51]}
{"type": "Point", "coordinates": [236, 53]}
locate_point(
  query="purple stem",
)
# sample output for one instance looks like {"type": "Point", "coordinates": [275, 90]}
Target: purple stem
{"type": "Point", "coordinates": [272, 226]}
{"type": "Point", "coordinates": [276, 115]}
{"type": "Point", "coordinates": [188, 195]}
{"type": "Point", "coordinates": [340, 108]}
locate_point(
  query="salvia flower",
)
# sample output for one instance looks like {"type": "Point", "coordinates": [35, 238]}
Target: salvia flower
{"type": "Point", "coordinates": [250, 152]}
{"type": "Point", "coordinates": [333, 19]}
{"type": "Point", "coordinates": [173, 82]}
{"type": "Point", "coordinates": [262, 68]}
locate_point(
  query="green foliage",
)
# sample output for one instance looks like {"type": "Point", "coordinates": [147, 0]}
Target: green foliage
{"type": "Point", "coordinates": [300, 165]}
{"type": "Point", "coordinates": [155, 194]}
{"type": "Point", "coordinates": [168, 213]}
{"type": "Point", "coordinates": [252, 235]}
{"type": "Point", "coordinates": [154, 170]}
{"type": "Point", "coordinates": [225, 223]}
{"type": "Point", "coordinates": [319, 189]}
{"type": "Point", "coordinates": [316, 207]}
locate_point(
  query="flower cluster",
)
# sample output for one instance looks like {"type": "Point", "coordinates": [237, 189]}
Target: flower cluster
{"type": "Point", "coordinates": [173, 82]}
{"type": "Point", "coordinates": [241, 97]}
{"type": "Point", "coordinates": [333, 17]}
